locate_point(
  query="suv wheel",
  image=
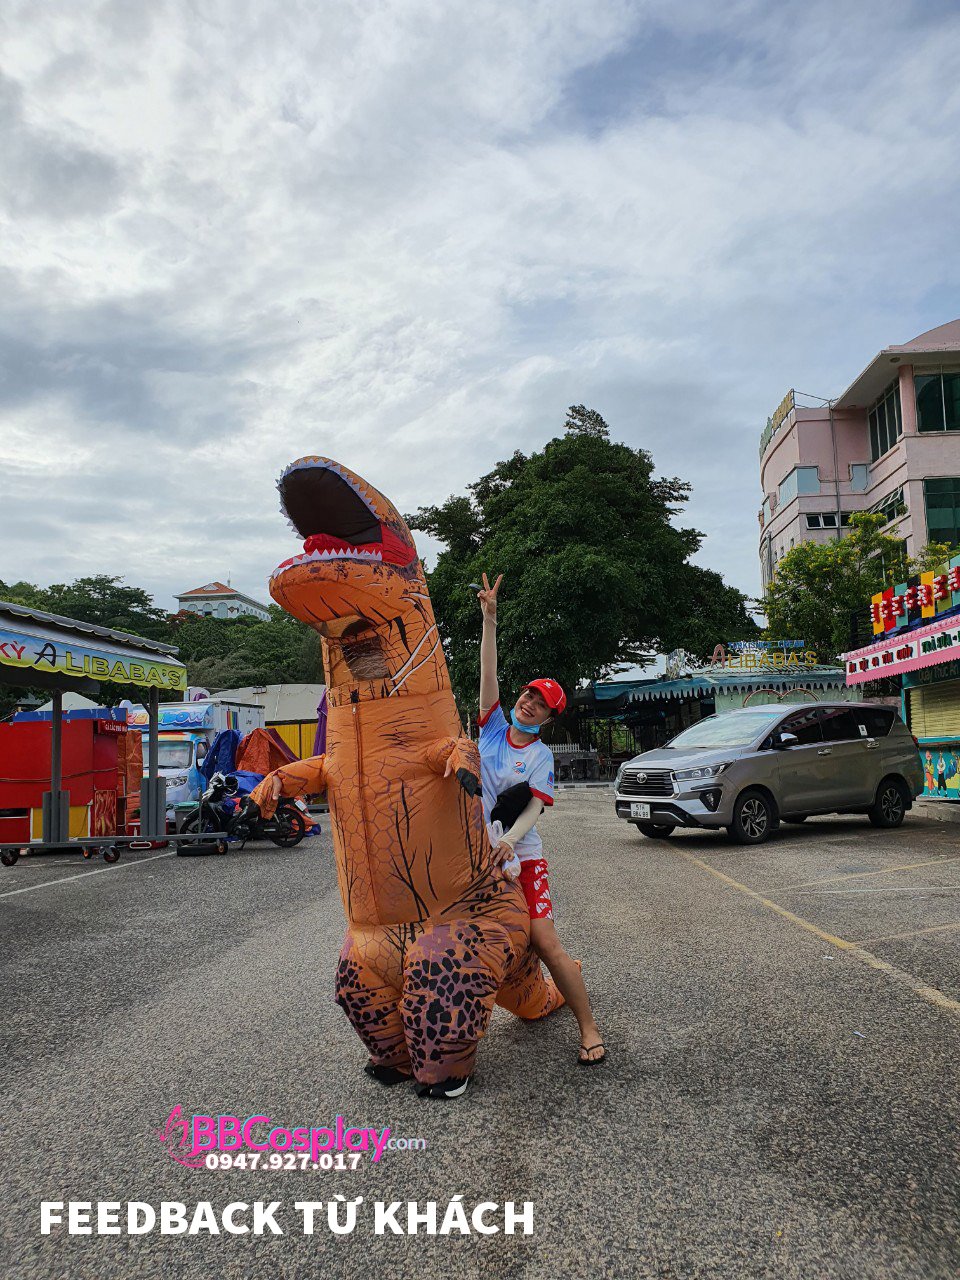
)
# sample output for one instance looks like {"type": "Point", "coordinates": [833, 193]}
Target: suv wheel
{"type": "Point", "coordinates": [890, 806]}
{"type": "Point", "coordinates": [754, 817]}
{"type": "Point", "coordinates": [655, 830]}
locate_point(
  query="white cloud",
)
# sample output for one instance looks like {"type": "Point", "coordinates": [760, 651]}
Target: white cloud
{"type": "Point", "coordinates": [410, 235]}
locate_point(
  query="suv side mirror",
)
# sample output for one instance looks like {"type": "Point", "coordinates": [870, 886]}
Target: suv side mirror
{"type": "Point", "coordinates": [787, 740]}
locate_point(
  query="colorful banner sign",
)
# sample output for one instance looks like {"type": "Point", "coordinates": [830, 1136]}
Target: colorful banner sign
{"type": "Point", "coordinates": [916, 599]}
{"type": "Point", "coordinates": [48, 653]}
{"type": "Point", "coordinates": [775, 421]}
{"type": "Point", "coordinates": [740, 645]}
{"type": "Point", "coordinates": [761, 655]}
{"type": "Point", "coordinates": [925, 647]}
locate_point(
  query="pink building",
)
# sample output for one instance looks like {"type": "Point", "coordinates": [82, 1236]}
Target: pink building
{"type": "Point", "coordinates": [890, 443]}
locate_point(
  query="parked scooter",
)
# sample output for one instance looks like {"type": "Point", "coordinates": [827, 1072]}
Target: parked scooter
{"type": "Point", "coordinates": [244, 821]}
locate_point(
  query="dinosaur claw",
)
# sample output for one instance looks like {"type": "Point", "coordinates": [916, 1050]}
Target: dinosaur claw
{"type": "Point", "coordinates": [470, 782]}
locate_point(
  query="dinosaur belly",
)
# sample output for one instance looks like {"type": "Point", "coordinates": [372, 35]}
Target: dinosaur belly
{"type": "Point", "coordinates": [408, 842]}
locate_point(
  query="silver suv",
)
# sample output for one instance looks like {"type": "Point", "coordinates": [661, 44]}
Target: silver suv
{"type": "Point", "coordinates": [746, 770]}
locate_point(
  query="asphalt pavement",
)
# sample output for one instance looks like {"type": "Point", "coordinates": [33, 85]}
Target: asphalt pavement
{"type": "Point", "coordinates": [780, 1100]}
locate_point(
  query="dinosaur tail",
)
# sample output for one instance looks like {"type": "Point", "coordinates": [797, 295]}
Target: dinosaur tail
{"type": "Point", "coordinates": [527, 991]}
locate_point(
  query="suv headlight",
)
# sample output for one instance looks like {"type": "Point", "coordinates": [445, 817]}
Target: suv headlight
{"type": "Point", "coordinates": [619, 778]}
{"type": "Point", "coordinates": [705, 771]}
{"type": "Point", "coordinates": [180, 780]}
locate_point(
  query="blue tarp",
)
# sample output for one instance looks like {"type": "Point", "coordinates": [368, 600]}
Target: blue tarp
{"type": "Point", "coordinates": [246, 781]}
{"type": "Point", "coordinates": [222, 755]}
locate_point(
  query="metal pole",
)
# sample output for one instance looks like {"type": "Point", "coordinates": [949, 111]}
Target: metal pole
{"type": "Point", "coordinates": [836, 468]}
{"type": "Point", "coordinates": [56, 768]}
{"type": "Point", "coordinates": [155, 820]}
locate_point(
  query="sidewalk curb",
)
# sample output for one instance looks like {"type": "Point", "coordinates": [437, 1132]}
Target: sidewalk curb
{"type": "Point", "coordinates": [938, 810]}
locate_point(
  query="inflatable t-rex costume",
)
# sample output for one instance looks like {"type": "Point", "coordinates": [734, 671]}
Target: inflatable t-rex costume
{"type": "Point", "coordinates": [435, 936]}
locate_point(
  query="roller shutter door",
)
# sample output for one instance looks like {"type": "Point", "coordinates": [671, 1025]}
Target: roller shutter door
{"type": "Point", "coordinates": [935, 710]}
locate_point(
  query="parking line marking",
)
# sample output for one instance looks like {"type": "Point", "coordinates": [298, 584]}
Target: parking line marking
{"type": "Point", "coordinates": [774, 906]}
{"type": "Point", "coordinates": [48, 884]}
{"type": "Point", "coordinates": [862, 875]}
{"type": "Point", "coordinates": [912, 933]}
{"type": "Point", "coordinates": [930, 994]}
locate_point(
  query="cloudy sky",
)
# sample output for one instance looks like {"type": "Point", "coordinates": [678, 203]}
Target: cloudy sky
{"type": "Point", "coordinates": [409, 233]}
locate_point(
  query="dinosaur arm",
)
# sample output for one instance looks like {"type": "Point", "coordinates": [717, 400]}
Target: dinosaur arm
{"type": "Point", "coordinates": [456, 755]}
{"type": "Point", "coordinates": [301, 778]}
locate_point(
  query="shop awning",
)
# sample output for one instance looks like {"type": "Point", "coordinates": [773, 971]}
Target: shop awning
{"type": "Point", "coordinates": [706, 685]}
{"type": "Point", "coordinates": [47, 651]}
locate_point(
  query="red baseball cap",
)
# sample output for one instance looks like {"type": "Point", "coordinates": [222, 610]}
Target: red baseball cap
{"type": "Point", "coordinates": [551, 693]}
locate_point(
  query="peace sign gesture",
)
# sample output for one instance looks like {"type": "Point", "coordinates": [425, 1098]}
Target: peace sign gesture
{"type": "Point", "coordinates": [488, 597]}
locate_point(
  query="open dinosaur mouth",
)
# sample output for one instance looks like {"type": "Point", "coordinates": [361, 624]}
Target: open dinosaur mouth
{"type": "Point", "coordinates": [335, 517]}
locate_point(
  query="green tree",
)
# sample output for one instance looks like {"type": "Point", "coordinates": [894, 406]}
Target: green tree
{"type": "Point", "coordinates": [821, 591]}
{"type": "Point", "coordinates": [932, 557]}
{"type": "Point", "coordinates": [108, 602]}
{"type": "Point", "coordinates": [596, 574]}
{"type": "Point", "coordinates": [230, 653]}
{"type": "Point", "coordinates": [25, 593]}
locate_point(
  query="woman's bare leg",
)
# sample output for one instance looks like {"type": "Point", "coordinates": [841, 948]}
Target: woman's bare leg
{"type": "Point", "coordinates": [566, 974]}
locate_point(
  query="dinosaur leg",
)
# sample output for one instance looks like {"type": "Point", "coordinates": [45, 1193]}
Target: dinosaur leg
{"type": "Point", "coordinates": [373, 1007]}
{"type": "Point", "coordinates": [527, 992]}
{"type": "Point", "coordinates": [451, 977]}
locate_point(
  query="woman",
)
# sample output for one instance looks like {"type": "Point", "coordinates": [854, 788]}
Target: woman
{"type": "Point", "coordinates": [511, 754]}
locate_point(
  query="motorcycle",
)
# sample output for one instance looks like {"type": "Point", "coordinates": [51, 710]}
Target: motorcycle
{"type": "Point", "coordinates": [243, 821]}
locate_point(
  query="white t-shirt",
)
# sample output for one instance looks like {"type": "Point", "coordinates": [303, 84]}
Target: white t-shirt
{"type": "Point", "coordinates": [503, 764]}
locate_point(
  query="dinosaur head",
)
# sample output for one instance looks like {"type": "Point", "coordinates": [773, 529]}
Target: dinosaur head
{"type": "Point", "coordinates": [359, 563]}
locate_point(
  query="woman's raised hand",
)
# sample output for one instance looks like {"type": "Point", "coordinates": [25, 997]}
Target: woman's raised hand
{"type": "Point", "coordinates": [488, 597]}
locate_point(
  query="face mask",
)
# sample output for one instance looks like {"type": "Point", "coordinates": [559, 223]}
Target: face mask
{"type": "Point", "coordinates": [523, 728]}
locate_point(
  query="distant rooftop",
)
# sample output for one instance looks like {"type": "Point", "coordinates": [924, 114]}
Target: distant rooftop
{"type": "Point", "coordinates": [211, 589]}
{"type": "Point", "coordinates": [220, 591]}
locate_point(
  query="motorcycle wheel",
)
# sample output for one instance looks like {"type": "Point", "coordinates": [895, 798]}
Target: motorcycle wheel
{"type": "Point", "coordinates": [193, 827]}
{"type": "Point", "coordinates": [289, 828]}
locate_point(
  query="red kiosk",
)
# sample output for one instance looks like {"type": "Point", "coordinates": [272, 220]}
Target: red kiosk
{"type": "Point", "coordinates": [102, 769]}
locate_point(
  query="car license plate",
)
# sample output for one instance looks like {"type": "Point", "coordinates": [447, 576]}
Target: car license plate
{"type": "Point", "coordinates": [639, 810]}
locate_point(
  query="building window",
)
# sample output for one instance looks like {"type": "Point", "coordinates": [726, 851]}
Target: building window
{"type": "Point", "coordinates": [891, 506]}
{"type": "Point", "coordinates": [859, 476]}
{"type": "Point", "coordinates": [942, 500]}
{"type": "Point", "coordinates": [800, 480]}
{"type": "Point", "coordinates": [827, 519]}
{"type": "Point", "coordinates": [886, 426]}
{"type": "Point", "coordinates": [938, 401]}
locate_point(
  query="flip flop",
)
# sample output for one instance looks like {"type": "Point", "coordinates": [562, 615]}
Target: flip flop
{"type": "Point", "coordinates": [592, 1062]}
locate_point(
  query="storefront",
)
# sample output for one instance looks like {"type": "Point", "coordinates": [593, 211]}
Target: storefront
{"type": "Point", "coordinates": [654, 711]}
{"type": "Point", "coordinates": [932, 709]}
{"type": "Point", "coordinates": [920, 625]}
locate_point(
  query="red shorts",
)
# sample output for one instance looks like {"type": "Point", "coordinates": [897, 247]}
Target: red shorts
{"type": "Point", "coordinates": [536, 890]}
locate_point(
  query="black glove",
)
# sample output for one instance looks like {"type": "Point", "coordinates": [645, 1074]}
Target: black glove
{"type": "Point", "coordinates": [511, 803]}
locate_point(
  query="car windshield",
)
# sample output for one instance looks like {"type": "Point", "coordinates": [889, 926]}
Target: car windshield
{"type": "Point", "coordinates": [736, 730]}
{"type": "Point", "coordinates": [172, 755]}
